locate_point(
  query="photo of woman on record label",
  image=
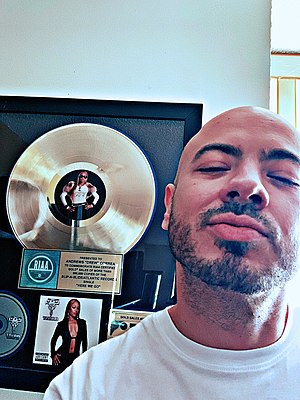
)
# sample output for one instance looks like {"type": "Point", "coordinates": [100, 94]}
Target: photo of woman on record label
{"type": "Point", "coordinates": [73, 332]}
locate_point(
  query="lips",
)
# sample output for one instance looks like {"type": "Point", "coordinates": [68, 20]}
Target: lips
{"type": "Point", "coordinates": [238, 221]}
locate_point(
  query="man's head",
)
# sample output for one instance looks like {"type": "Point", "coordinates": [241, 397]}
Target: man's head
{"type": "Point", "coordinates": [233, 211]}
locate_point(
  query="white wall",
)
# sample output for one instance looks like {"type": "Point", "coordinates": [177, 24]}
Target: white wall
{"type": "Point", "coordinates": [210, 51]}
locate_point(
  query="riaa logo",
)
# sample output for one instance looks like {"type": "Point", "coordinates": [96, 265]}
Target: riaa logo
{"type": "Point", "coordinates": [40, 269]}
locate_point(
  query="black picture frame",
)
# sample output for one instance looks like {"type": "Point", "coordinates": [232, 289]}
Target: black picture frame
{"type": "Point", "coordinates": [189, 113]}
{"type": "Point", "coordinates": [185, 120]}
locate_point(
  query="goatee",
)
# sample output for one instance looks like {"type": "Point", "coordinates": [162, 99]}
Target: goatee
{"type": "Point", "coordinates": [231, 271]}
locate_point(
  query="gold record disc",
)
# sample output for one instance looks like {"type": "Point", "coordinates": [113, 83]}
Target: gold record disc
{"type": "Point", "coordinates": [81, 187]}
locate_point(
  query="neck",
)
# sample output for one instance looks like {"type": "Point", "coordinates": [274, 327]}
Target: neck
{"type": "Point", "coordinates": [224, 319]}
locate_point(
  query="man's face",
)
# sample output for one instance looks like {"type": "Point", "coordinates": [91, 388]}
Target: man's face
{"type": "Point", "coordinates": [233, 215]}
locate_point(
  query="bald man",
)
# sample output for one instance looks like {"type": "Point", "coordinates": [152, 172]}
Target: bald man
{"type": "Point", "coordinates": [232, 215]}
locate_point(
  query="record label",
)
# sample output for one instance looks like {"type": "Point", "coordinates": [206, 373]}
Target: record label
{"type": "Point", "coordinates": [82, 187]}
{"type": "Point", "coordinates": [13, 324]}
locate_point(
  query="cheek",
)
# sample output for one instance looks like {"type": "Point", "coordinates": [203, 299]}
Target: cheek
{"type": "Point", "coordinates": [195, 198]}
{"type": "Point", "coordinates": [287, 215]}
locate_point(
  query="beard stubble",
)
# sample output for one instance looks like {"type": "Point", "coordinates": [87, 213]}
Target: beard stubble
{"type": "Point", "coordinates": [231, 271]}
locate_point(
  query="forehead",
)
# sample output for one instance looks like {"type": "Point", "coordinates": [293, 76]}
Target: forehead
{"type": "Point", "coordinates": [249, 130]}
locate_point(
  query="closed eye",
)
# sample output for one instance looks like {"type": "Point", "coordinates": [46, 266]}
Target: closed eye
{"type": "Point", "coordinates": [213, 169]}
{"type": "Point", "coordinates": [283, 180]}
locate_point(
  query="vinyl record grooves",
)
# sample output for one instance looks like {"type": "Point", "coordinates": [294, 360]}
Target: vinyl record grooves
{"type": "Point", "coordinates": [110, 164]}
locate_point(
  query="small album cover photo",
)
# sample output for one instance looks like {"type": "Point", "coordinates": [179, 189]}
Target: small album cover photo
{"type": "Point", "coordinates": [122, 320]}
{"type": "Point", "coordinates": [66, 327]}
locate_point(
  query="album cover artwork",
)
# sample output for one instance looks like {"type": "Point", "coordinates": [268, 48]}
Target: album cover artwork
{"type": "Point", "coordinates": [66, 327]}
{"type": "Point", "coordinates": [122, 320]}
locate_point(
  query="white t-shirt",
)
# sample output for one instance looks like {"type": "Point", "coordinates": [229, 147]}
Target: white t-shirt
{"type": "Point", "coordinates": [79, 195]}
{"type": "Point", "coordinates": [154, 361]}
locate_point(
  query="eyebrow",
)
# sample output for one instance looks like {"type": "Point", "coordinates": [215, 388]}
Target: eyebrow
{"type": "Point", "coordinates": [279, 154]}
{"type": "Point", "coordinates": [223, 148]}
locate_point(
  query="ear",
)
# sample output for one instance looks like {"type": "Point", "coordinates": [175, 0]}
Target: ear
{"type": "Point", "coordinates": [169, 192]}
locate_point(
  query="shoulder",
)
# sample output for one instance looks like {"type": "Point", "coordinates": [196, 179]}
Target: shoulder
{"type": "Point", "coordinates": [112, 362]}
{"type": "Point", "coordinates": [90, 186]}
{"type": "Point", "coordinates": [136, 339]}
{"type": "Point", "coordinates": [61, 325]}
{"type": "Point", "coordinates": [81, 322]}
{"type": "Point", "coordinates": [63, 322]}
{"type": "Point", "coordinates": [70, 183]}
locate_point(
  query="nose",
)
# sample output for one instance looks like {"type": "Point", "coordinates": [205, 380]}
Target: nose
{"type": "Point", "coordinates": [246, 186]}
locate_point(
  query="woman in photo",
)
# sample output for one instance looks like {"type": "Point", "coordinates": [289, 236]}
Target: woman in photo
{"type": "Point", "coordinates": [73, 332]}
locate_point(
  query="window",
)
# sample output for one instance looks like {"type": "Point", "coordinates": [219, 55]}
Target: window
{"type": "Point", "coordinates": [285, 87]}
{"type": "Point", "coordinates": [285, 76]}
{"type": "Point", "coordinates": [285, 60]}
